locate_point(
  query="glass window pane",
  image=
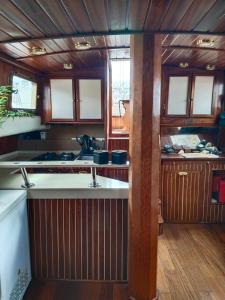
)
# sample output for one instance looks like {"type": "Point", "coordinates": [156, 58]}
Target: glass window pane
{"type": "Point", "coordinates": [120, 95]}
{"type": "Point", "coordinates": [202, 100]}
{"type": "Point", "coordinates": [26, 95]}
{"type": "Point", "coordinates": [177, 96]}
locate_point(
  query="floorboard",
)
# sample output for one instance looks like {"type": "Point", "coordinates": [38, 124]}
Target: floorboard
{"type": "Point", "coordinates": [191, 266]}
{"type": "Point", "coordinates": [191, 262]}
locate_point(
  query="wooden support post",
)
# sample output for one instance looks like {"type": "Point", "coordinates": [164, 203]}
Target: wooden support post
{"type": "Point", "coordinates": [145, 165]}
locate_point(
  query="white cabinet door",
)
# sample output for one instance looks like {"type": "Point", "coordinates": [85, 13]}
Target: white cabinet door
{"type": "Point", "coordinates": [203, 95]}
{"type": "Point", "coordinates": [62, 99]}
{"type": "Point", "coordinates": [90, 99]}
{"type": "Point", "coordinates": [178, 95]}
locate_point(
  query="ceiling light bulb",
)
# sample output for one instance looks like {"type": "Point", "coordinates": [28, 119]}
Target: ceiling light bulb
{"type": "Point", "coordinates": [183, 65]}
{"type": "Point", "coordinates": [82, 45]}
{"type": "Point", "coordinates": [205, 42]}
{"type": "Point", "coordinates": [37, 51]}
{"type": "Point", "coordinates": [210, 67]}
{"type": "Point", "coordinates": [68, 66]}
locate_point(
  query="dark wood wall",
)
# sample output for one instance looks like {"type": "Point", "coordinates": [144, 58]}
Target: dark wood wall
{"type": "Point", "coordinates": [79, 239]}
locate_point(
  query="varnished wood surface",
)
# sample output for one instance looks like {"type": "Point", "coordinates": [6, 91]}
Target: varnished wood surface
{"type": "Point", "coordinates": [68, 290]}
{"type": "Point", "coordinates": [187, 199]}
{"type": "Point", "coordinates": [191, 264]}
{"type": "Point", "coordinates": [144, 176]}
{"type": "Point", "coordinates": [74, 239]}
{"type": "Point", "coordinates": [56, 25]}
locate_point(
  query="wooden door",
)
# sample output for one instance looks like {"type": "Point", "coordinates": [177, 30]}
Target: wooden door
{"type": "Point", "coordinates": [62, 102]}
{"type": "Point", "coordinates": [182, 196]}
{"type": "Point", "coordinates": [178, 96]}
{"type": "Point", "coordinates": [202, 95]}
{"type": "Point", "coordinates": [89, 100]}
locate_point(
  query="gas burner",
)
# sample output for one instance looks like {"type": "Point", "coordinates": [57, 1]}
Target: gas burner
{"type": "Point", "coordinates": [53, 156]}
{"type": "Point", "coordinates": [67, 156]}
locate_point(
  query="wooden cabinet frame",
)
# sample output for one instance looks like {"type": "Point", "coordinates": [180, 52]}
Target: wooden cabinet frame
{"type": "Point", "coordinates": [77, 101]}
{"type": "Point", "coordinates": [191, 119]}
{"type": "Point", "coordinates": [76, 106]}
{"type": "Point", "coordinates": [214, 95]}
{"type": "Point", "coordinates": [165, 108]}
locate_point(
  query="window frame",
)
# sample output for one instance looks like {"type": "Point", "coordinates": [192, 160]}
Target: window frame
{"type": "Point", "coordinates": [29, 79]}
{"type": "Point", "coordinates": [110, 129]}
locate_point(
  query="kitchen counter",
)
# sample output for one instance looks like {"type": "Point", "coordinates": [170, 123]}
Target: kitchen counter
{"type": "Point", "coordinates": [174, 156]}
{"type": "Point", "coordinates": [66, 186]}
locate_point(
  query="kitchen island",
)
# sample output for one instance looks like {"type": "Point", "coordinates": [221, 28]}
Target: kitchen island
{"type": "Point", "coordinates": [77, 232]}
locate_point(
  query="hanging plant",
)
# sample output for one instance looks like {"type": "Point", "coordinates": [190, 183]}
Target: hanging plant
{"type": "Point", "coordinates": [5, 92]}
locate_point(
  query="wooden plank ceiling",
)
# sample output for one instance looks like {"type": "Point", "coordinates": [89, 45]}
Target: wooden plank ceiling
{"type": "Point", "coordinates": [57, 24]}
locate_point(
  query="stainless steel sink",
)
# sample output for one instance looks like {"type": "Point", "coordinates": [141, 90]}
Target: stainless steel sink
{"type": "Point", "coordinates": [85, 157]}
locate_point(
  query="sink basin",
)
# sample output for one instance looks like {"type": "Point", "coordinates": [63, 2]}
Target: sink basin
{"type": "Point", "coordinates": [85, 157]}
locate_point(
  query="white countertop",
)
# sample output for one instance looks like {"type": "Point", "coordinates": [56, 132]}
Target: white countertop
{"type": "Point", "coordinates": [58, 164]}
{"type": "Point", "coordinates": [73, 186]}
{"type": "Point", "coordinates": [22, 159]}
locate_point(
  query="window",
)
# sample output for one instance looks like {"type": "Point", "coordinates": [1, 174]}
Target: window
{"type": "Point", "coordinates": [120, 96]}
{"type": "Point", "coordinates": [26, 93]}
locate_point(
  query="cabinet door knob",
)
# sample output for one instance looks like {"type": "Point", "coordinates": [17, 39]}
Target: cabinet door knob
{"type": "Point", "coordinates": [182, 173]}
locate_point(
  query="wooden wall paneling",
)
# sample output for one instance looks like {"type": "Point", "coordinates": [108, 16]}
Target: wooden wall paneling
{"type": "Point", "coordinates": [145, 165]}
{"type": "Point", "coordinates": [187, 199]}
{"type": "Point", "coordinates": [79, 239]}
{"type": "Point", "coordinates": [182, 194]}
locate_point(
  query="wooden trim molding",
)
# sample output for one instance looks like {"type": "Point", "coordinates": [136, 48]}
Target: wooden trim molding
{"type": "Point", "coordinates": [145, 165]}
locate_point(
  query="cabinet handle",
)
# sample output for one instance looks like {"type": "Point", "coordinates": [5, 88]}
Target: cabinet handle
{"type": "Point", "coordinates": [182, 173]}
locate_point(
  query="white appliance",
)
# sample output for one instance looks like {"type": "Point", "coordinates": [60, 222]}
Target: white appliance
{"type": "Point", "coordinates": [15, 271]}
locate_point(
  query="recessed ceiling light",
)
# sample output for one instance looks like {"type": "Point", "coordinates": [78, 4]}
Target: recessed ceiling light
{"type": "Point", "coordinates": [68, 66]}
{"type": "Point", "coordinates": [210, 67]}
{"type": "Point", "coordinates": [82, 45]}
{"type": "Point", "coordinates": [183, 65]}
{"type": "Point", "coordinates": [37, 51]}
{"type": "Point", "coordinates": [205, 42]}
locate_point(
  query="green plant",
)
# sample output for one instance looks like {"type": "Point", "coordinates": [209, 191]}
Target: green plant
{"type": "Point", "coordinates": [5, 92]}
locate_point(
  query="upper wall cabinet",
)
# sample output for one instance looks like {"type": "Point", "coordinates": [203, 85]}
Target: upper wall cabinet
{"type": "Point", "coordinates": [89, 97]}
{"type": "Point", "coordinates": [62, 103]}
{"type": "Point", "coordinates": [76, 101]}
{"type": "Point", "coordinates": [190, 98]}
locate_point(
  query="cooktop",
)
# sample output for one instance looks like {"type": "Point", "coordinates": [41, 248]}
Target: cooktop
{"type": "Point", "coordinates": [51, 156]}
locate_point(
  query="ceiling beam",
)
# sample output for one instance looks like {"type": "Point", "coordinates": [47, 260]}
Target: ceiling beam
{"type": "Point", "coordinates": [10, 60]}
{"type": "Point", "coordinates": [74, 50]}
{"type": "Point", "coordinates": [192, 48]}
{"type": "Point", "coordinates": [108, 33]}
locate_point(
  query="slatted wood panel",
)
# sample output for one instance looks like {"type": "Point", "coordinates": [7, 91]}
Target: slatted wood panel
{"type": "Point", "coordinates": [187, 199]}
{"type": "Point", "coordinates": [118, 144]}
{"type": "Point", "coordinates": [76, 239]}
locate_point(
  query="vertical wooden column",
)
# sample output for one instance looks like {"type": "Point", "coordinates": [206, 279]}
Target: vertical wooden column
{"type": "Point", "coordinates": [145, 165]}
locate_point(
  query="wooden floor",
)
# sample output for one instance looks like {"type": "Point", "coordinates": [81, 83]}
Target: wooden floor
{"type": "Point", "coordinates": [68, 290]}
{"type": "Point", "coordinates": [191, 266]}
{"type": "Point", "coordinates": [191, 262]}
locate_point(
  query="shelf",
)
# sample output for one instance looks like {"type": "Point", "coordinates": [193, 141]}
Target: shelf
{"type": "Point", "coordinates": [20, 125]}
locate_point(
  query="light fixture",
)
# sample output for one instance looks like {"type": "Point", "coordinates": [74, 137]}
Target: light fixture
{"type": "Point", "coordinates": [82, 45]}
{"type": "Point", "coordinates": [210, 67]}
{"type": "Point", "coordinates": [205, 42]}
{"type": "Point", "coordinates": [68, 66]}
{"type": "Point", "coordinates": [183, 65]}
{"type": "Point", "coordinates": [37, 51]}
